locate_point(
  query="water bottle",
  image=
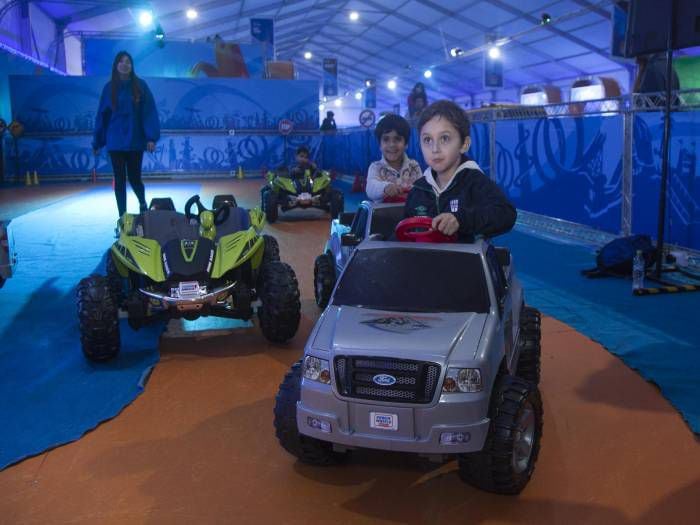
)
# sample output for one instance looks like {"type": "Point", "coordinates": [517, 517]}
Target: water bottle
{"type": "Point", "coordinates": [638, 271]}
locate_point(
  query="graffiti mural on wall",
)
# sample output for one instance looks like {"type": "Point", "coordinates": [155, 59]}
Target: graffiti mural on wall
{"type": "Point", "coordinates": [565, 168]}
{"type": "Point", "coordinates": [196, 154]}
{"type": "Point", "coordinates": [68, 104]}
{"type": "Point", "coordinates": [683, 190]}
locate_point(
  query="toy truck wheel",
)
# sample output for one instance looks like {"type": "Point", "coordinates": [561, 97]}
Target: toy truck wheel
{"type": "Point", "coordinates": [309, 450]}
{"type": "Point", "coordinates": [337, 203]}
{"type": "Point", "coordinates": [97, 316]}
{"type": "Point", "coordinates": [507, 461]}
{"type": "Point", "coordinates": [272, 249]}
{"type": "Point", "coordinates": [530, 348]}
{"type": "Point", "coordinates": [324, 279]}
{"type": "Point", "coordinates": [281, 310]}
{"type": "Point", "coordinates": [270, 206]}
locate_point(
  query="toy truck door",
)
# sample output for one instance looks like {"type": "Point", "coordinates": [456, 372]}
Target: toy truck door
{"type": "Point", "coordinates": [505, 303]}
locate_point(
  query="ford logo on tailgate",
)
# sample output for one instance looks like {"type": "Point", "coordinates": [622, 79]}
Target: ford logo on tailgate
{"type": "Point", "coordinates": [384, 379]}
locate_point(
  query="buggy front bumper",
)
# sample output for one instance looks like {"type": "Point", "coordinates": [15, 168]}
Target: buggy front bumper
{"type": "Point", "coordinates": [194, 302]}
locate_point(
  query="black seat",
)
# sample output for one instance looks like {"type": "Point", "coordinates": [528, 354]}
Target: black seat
{"type": "Point", "coordinates": [166, 225]}
{"type": "Point", "coordinates": [238, 220]}
{"type": "Point", "coordinates": [384, 221]}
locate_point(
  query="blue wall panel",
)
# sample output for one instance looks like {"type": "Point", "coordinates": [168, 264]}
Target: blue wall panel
{"type": "Point", "coordinates": [683, 191]}
{"type": "Point", "coordinates": [569, 168]}
{"type": "Point", "coordinates": [61, 104]}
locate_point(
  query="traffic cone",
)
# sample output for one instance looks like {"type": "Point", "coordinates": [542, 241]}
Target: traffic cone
{"type": "Point", "coordinates": [27, 179]}
{"type": "Point", "coordinates": [35, 179]}
{"type": "Point", "coordinates": [358, 185]}
{"type": "Point", "coordinates": [240, 172]}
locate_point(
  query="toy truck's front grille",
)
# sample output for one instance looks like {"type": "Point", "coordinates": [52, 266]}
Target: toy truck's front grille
{"type": "Point", "coordinates": [381, 379]}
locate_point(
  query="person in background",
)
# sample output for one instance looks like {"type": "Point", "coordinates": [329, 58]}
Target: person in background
{"type": "Point", "coordinates": [127, 125]}
{"type": "Point", "coordinates": [391, 178]}
{"type": "Point", "coordinates": [417, 101]}
{"type": "Point", "coordinates": [454, 190]}
{"type": "Point", "coordinates": [328, 123]}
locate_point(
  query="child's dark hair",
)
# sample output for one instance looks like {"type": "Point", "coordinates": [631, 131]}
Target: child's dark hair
{"type": "Point", "coordinates": [303, 149]}
{"type": "Point", "coordinates": [392, 122]}
{"type": "Point", "coordinates": [449, 111]}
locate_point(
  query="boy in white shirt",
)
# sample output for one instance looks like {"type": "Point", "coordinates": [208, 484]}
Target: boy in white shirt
{"type": "Point", "coordinates": [391, 178]}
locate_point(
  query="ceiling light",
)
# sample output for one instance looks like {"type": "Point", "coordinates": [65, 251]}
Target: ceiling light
{"type": "Point", "coordinates": [368, 83]}
{"type": "Point", "coordinates": [494, 53]}
{"type": "Point", "coordinates": [191, 14]}
{"type": "Point", "coordinates": [427, 73]}
{"type": "Point", "coordinates": [546, 19]}
{"type": "Point", "coordinates": [321, 107]}
{"type": "Point", "coordinates": [308, 55]}
{"type": "Point", "coordinates": [456, 51]}
{"type": "Point", "coordinates": [338, 102]}
{"type": "Point", "coordinates": [354, 16]}
{"type": "Point", "coordinates": [391, 84]}
{"type": "Point", "coordinates": [146, 18]}
{"type": "Point", "coordinates": [358, 95]}
{"type": "Point", "coordinates": [325, 99]}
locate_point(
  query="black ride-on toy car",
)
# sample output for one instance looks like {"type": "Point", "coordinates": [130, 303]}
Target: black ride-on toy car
{"type": "Point", "coordinates": [168, 265]}
{"type": "Point", "coordinates": [287, 190]}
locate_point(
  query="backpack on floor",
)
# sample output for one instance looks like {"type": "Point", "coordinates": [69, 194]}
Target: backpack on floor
{"type": "Point", "coordinates": [615, 258]}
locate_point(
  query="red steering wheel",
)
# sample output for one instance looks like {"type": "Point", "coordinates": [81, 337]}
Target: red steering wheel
{"type": "Point", "coordinates": [420, 229]}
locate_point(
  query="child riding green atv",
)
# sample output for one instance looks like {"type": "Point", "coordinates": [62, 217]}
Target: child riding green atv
{"type": "Point", "coordinates": [168, 265]}
{"type": "Point", "coordinates": [304, 186]}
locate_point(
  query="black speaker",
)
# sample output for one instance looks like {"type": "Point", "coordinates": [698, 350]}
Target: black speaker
{"type": "Point", "coordinates": [647, 25]}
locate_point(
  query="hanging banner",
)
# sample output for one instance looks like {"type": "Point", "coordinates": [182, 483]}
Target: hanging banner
{"type": "Point", "coordinates": [263, 29]}
{"type": "Point", "coordinates": [493, 72]}
{"type": "Point", "coordinates": [370, 93]}
{"type": "Point", "coordinates": [330, 77]}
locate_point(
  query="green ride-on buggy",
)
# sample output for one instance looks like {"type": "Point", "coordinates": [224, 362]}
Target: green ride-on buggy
{"type": "Point", "coordinates": [167, 265]}
{"type": "Point", "coordinates": [299, 188]}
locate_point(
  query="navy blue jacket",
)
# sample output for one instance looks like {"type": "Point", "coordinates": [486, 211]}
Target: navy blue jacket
{"type": "Point", "coordinates": [476, 201]}
{"type": "Point", "coordinates": [130, 126]}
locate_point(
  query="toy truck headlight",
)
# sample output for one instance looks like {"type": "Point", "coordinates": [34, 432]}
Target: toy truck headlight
{"type": "Point", "coordinates": [460, 380]}
{"type": "Point", "coordinates": [317, 369]}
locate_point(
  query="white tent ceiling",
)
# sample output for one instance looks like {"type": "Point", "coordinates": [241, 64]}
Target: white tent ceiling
{"type": "Point", "coordinates": [391, 39]}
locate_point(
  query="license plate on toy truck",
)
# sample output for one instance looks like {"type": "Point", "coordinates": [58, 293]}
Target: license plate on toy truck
{"type": "Point", "coordinates": [383, 421]}
{"type": "Point", "coordinates": [189, 289]}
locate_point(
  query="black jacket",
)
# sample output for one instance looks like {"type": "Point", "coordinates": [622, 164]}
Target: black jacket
{"type": "Point", "coordinates": [478, 203]}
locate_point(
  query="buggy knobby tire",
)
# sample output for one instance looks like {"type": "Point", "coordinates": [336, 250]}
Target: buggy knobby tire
{"type": "Point", "coordinates": [336, 203]}
{"type": "Point", "coordinates": [309, 450]}
{"type": "Point", "coordinates": [98, 319]}
{"type": "Point", "coordinates": [272, 249]}
{"type": "Point", "coordinates": [324, 279]}
{"type": "Point", "coordinates": [270, 206]}
{"type": "Point", "coordinates": [114, 279]}
{"type": "Point", "coordinates": [507, 461]}
{"type": "Point", "coordinates": [529, 343]}
{"type": "Point", "coordinates": [280, 311]}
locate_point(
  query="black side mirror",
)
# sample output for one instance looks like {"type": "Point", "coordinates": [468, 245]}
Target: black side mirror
{"type": "Point", "coordinates": [349, 239]}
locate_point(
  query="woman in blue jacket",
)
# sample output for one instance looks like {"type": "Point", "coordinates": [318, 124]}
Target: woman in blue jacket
{"type": "Point", "coordinates": [127, 124]}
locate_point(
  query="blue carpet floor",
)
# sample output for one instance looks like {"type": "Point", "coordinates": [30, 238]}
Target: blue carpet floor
{"type": "Point", "coordinates": [49, 393]}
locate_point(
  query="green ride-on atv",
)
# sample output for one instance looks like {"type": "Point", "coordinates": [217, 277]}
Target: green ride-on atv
{"type": "Point", "coordinates": [167, 265]}
{"type": "Point", "coordinates": [299, 188]}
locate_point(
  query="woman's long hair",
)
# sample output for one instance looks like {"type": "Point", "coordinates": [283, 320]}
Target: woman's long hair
{"type": "Point", "coordinates": [135, 88]}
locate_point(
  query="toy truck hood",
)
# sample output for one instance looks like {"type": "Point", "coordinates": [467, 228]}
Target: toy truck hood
{"type": "Point", "coordinates": [408, 335]}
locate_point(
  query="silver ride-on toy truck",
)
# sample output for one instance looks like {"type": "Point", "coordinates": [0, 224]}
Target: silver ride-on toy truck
{"type": "Point", "coordinates": [426, 348]}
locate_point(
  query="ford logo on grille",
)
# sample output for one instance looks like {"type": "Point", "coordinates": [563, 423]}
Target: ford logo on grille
{"type": "Point", "coordinates": [384, 379]}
